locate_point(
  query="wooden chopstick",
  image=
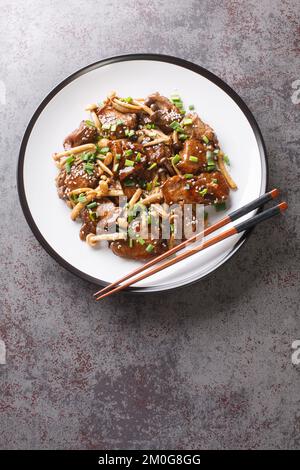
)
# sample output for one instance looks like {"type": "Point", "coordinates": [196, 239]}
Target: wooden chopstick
{"type": "Point", "coordinates": [267, 214]}
{"type": "Point", "coordinates": [221, 223]}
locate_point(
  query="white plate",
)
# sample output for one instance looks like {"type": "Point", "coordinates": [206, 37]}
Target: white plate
{"type": "Point", "coordinates": [134, 75]}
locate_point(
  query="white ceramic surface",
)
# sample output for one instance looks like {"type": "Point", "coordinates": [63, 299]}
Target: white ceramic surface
{"type": "Point", "coordinates": [135, 78]}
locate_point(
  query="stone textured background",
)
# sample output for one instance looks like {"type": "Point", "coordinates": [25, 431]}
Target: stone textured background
{"type": "Point", "coordinates": [208, 366]}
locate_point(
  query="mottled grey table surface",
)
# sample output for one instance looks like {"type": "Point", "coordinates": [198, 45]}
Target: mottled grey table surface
{"type": "Point", "coordinates": [205, 367]}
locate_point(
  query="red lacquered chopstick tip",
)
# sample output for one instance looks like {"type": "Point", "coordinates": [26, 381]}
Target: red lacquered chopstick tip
{"type": "Point", "coordinates": [275, 193]}
{"type": "Point", "coordinates": [283, 206]}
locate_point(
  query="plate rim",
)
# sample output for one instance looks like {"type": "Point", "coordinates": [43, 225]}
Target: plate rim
{"type": "Point", "coordinates": [111, 60]}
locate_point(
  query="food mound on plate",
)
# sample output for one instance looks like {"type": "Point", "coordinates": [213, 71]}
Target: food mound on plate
{"type": "Point", "coordinates": [149, 151]}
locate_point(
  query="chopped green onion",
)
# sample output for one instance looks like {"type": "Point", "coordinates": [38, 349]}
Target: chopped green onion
{"type": "Point", "coordinates": [193, 159]}
{"type": "Point", "coordinates": [175, 99]}
{"type": "Point", "coordinates": [150, 248]}
{"type": "Point", "coordinates": [119, 122]}
{"type": "Point", "coordinates": [214, 180]}
{"type": "Point", "coordinates": [106, 126]}
{"type": "Point", "coordinates": [152, 166]}
{"type": "Point", "coordinates": [191, 107]}
{"type": "Point", "coordinates": [127, 100]}
{"type": "Point", "coordinates": [90, 123]}
{"type": "Point", "coordinates": [140, 240]}
{"type": "Point", "coordinates": [176, 126]}
{"type": "Point", "coordinates": [70, 160]}
{"type": "Point", "coordinates": [205, 139]}
{"type": "Point", "coordinates": [68, 164]}
{"type": "Point", "coordinates": [92, 205]}
{"type": "Point", "coordinates": [88, 157]}
{"type": "Point", "coordinates": [116, 167]}
{"type": "Point", "coordinates": [220, 206]}
{"type": "Point", "coordinates": [68, 167]}
{"type": "Point", "coordinates": [81, 198]}
{"type": "Point", "coordinates": [89, 168]}
{"type": "Point", "coordinates": [187, 121]}
{"type": "Point", "coordinates": [128, 152]}
{"type": "Point", "coordinates": [129, 133]}
{"type": "Point", "coordinates": [183, 136]}
{"type": "Point", "coordinates": [210, 161]}
{"type": "Point", "coordinates": [113, 128]}
{"type": "Point", "coordinates": [118, 156]}
{"type": "Point", "coordinates": [226, 160]}
{"type": "Point", "coordinates": [188, 176]}
{"type": "Point", "coordinates": [149, 186]}
{"type": "Point", "coordinates": [129, 162]}
{"type": "Point", "coordinates": [104, 150]}
{"type": "Point", "coordinates": [92, 216]}
{"type": "Point", "coordinates": [138, 157]}
{"type": "Point", "coordinates": [203, 192]}
{"type": "Point", "coordinates": [216, 151]}
{"type": "Point", "coordinates": [150, 126]}
{"type": "Point", "coordinates": [176, 159]}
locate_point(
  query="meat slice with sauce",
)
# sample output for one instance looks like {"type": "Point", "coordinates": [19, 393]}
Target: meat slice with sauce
{"type": "Point", "coordinates": [193, 157]}
{"type": "Point", "coordinates": [77, 178]}
{"type": "Point", "coordinates": [84, 134]}
{"type": "Point", "coordinates": [147, 163]}
{"type": "Point", "coordinates": [114, 123]}
{"type": "Point", "coordinates": [101, 219]}
{"type": "Point", "coordinates": [198, 129]}
{"type": "Point", "coordinates": [164, 112]}
{"type": "Point", "coordinates": [207, 188]}
{"type": "Point", "coordinates": [138, 251]}
{"type": "Point", "coordinates": [89, 223]}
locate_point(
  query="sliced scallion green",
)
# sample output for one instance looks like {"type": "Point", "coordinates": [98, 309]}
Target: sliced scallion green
{"type": "Point", "coordinates": [152, 166]}
{"type": "Point", "coordinates": [89, 168]}
{"type": "Point", "coordinates": [187, 121]}
{"type": "Point", "coordinates": [176, 159]}
{"type": "Point", "coordinates": [90, 123]}
{"type": "Point", "coordinates": [149, 248]}
{"type": "Point", "coordinates": [81, 198]}
{"type": "Point", "coordinates": [92, 205]}
{"type": "Point", "coordinates": [203, 192]}
{"type": "Point", "coordinates": [193, 159]}
{"type": "Point", "coordinates": [104, 150]}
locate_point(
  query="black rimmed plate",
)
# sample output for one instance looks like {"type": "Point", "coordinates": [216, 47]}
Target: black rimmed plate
{"type": "Point", "coordinates": [134, 75]}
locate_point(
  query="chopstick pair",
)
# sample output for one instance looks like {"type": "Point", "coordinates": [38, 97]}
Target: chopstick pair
{"type": "Point", "coordinates": [267, 214]}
